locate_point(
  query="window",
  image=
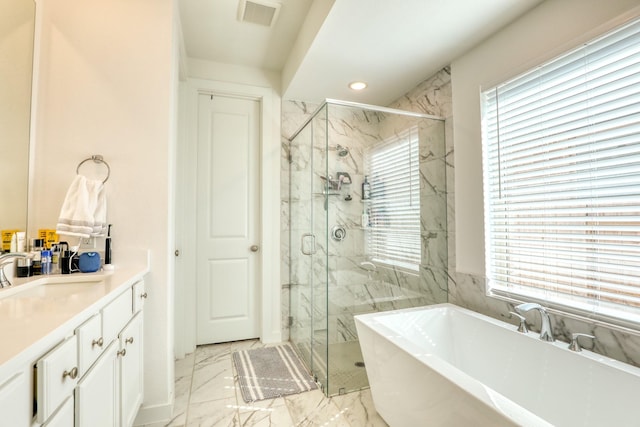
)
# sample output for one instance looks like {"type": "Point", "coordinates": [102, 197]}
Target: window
{"type": "Point", "coordinates": [562, 181]}
{"type": "Point", "coordinates": [394, 206]}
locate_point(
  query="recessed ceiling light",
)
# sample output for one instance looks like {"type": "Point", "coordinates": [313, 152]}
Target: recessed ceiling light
{"type": "Point", "coordinates": [357, 85]}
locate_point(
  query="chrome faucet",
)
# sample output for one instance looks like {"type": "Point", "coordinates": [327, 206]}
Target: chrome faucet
{"type": "Point", "coordinates": [546, 334]}
{"type": "Point", "coordinates": [6, 259]}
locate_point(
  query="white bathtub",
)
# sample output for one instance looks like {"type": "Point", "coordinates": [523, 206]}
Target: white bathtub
{"type": "Point", "coordinates": [447, 366]}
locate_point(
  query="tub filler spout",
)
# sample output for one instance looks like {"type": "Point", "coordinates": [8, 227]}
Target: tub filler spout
{"type": "Point", "coordinates": [546, 334]}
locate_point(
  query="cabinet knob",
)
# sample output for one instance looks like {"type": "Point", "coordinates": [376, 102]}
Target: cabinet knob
{"type": "Point", "coordinates": [254, 248]}
{"type": "Point", "coordinates": [73, 373]}
{"type": "Point", "coordinates": [122, 352]}
{"type": "Point", "coordinates": [143, 295]}
{"type": "Point", "coordinates": [99, 342]}
{"type": "Point", "coordinates": [129, 340]}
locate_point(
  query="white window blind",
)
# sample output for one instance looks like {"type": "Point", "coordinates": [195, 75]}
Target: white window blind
{"type": "Point", "coordinates": [394, 207]}
{"type": "Point", "coordinates": [562, 180]}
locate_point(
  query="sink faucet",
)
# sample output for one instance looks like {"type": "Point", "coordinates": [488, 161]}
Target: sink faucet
{"type": "Point", "coordinates": [6, 259]}
{"type": "Point", "coordinates": [545, 328]}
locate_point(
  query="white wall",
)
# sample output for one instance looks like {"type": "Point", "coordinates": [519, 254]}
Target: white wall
{"type": "Point", "coordinates": [107, 86]}
{"type": "Point", "coordinates": [548, 30]}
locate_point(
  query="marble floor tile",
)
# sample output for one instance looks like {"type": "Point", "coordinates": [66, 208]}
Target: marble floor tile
{"type": "Point", "coordinates": [207, 395]}
{"type": "Point", "coordinates": [212, 381]}
{"type": "Point", "coordinates": [358, 409]}
{"type": "Point", "coordinates": [264, 413]}
{"type": "Point", "coordinates": [314, 409]}
{"type": "Point", "coordinates": [184, 367]}
{"type": "Point", "coordinates": [217, 413]}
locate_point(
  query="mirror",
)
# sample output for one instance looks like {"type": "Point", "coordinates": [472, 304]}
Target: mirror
{"type": "Point", "coordinates": [17, 22]}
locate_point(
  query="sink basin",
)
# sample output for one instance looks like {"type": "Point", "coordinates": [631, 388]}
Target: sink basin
{"type": "Point", "coordinates": [49, 281]}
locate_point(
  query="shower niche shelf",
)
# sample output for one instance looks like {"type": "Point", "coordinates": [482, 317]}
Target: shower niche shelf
{"type": "Point", "coordinates": [331, 193]}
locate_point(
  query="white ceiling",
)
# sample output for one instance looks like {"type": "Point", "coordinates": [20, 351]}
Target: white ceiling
{"type": "Point", "coordinates": [391, 44]}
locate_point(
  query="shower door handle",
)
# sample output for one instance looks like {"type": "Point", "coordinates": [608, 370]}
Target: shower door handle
{"type": "Point", "coordinates": [312, 238]}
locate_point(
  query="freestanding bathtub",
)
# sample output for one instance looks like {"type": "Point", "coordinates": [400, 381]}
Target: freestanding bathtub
{"type": "Point", "coordinates": [443, 365]}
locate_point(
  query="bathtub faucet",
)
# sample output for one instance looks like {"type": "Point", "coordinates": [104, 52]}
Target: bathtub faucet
{"type": "Point", "coordinates": [545, 328]}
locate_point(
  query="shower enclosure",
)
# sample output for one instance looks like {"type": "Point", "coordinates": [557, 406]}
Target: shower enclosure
{"type": "Point", "coordinates": [368, 212]}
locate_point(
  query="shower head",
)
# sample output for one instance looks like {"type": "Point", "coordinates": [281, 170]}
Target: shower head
{"type": "Point", "coordinates": [342, 151]}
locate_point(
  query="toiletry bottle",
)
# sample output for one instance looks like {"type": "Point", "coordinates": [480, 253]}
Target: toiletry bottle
{"type": "Point", "coordinates": [366, 188]}
{"type": "Point", "coordinates": [45, 262]}
{"type": "Point", "coordinates": [65, 262]}
{"type": "Point", "coordinates": [23, 267]}
{"type": "Point", "coordinates": [55, 258]}
{"type": "Point", "coordinates": [20, 235]}
{"type": "Point", "coordinates": [36, 252]}
{"type": "Point", "coordinates": [364, 221]}
{"type": "Point", "coordinates": [14, 242]}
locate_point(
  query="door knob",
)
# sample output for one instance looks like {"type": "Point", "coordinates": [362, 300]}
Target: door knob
{"type": "Point", "coordinates": [254, 248]}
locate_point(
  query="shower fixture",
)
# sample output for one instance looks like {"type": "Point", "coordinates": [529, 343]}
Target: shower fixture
{"type": "Point", "coordinates": [342, 151]}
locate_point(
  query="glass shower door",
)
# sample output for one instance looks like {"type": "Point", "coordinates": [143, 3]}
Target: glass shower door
{"type": "Point", "coordinates": [300, 199]}
{"type": "Point", "coordinates": [308, 242]}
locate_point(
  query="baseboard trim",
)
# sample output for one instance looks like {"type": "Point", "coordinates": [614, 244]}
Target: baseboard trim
{"type": "Point", "coordinates": [156, 415]}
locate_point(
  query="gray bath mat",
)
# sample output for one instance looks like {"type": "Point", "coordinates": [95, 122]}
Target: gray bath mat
{"type": "Point", "coordinates": [270, 372]}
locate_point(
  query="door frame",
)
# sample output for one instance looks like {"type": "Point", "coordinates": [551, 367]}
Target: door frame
{"type": "Point", "coordinates": [269, 288]}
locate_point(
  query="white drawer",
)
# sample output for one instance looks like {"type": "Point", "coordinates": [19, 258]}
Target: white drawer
{"type": "Point", "coordinates": [57, 375]}
{"type": "Point", "coordinates": [90, 343]}
{"type": "Point", "coordinates": [116, 315]}
{"type": "Point", "coordinates": [139, 296]}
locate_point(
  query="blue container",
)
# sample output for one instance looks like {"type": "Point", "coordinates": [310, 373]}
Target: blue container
{"type": "Point", "coordinates": [45, 261]}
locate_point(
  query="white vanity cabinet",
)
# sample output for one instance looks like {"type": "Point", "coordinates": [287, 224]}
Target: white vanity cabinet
{"type": "Point", "coordinates": [110, 393]}
{"type": "Point", "coordinates": [86, 372]}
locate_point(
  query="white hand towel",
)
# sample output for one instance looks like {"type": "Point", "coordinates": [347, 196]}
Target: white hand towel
{"type": "Point", "coordinates": [84, 210]}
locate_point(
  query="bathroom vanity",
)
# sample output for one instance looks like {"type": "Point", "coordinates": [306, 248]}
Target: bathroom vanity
{"type": "Point", "coordinates": [71, 349]}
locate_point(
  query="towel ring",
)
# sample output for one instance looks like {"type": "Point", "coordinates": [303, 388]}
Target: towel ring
{"type": "Point", "coordinates": [97, 158]}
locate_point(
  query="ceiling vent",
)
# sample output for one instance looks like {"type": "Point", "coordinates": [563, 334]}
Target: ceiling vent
{"type": "Point", "coordinates": [258, 12]}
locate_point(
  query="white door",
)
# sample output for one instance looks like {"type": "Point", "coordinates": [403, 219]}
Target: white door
{"type": "Point", "coordinates": [228, 208]}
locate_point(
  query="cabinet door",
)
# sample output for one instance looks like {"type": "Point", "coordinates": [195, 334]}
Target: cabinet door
{"type": "Point", "coordinates": [90, 343]}
{"type": "Point", "coordinates": [64, 416]}
{"type": "Point", "coordinates": [131, 379]}
{"type": "Point", "coordinates": [96, 394]}
{"type": "Point", "coordinates": [139, 296]}
{"type": "Point", "coordinates": [15, 400]}
{"type": "Point", "coordinates": [116, 315]}
{"type": "Point", "coordinates": [57, 375]}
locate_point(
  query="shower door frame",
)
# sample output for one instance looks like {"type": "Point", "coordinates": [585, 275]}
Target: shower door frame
{"type": "Point", "coordinates": [316, 356]}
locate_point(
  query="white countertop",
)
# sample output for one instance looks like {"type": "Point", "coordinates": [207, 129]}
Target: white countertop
{"type": "Point", "coordinates": [37, 307]}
